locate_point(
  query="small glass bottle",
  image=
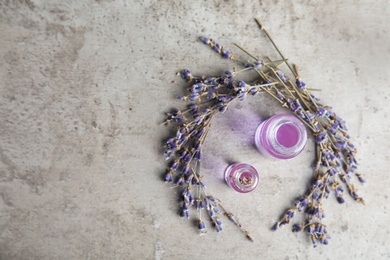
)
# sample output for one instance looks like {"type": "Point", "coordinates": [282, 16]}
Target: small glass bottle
{"type": "Point", "coordinates": [242, 177]}
{"type": "Point", "coordinates": [282, 136]}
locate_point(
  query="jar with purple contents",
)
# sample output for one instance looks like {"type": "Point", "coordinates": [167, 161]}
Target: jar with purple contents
{"type": "Point", "coordinates": [242, 177]}
{"type": "Point", "coordinates": [282, 136]}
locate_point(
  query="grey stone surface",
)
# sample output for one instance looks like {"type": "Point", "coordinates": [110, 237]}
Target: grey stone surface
{"type": "Point", "coordinates": [84, 85]}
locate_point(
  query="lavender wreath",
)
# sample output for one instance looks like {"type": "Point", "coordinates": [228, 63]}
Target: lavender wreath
{"type": "Point", "coordinates": [208, 95]}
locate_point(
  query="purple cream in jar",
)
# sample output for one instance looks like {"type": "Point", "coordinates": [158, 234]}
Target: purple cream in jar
{"type": "Point", "coordinates": [282, 136]}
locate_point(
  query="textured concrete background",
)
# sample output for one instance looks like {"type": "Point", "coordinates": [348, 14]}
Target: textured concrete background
{"type": "Point", "coordinates": [82, 93]}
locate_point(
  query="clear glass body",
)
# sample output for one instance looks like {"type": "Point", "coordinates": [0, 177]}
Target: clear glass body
{"type": "Point", "coordinates": [282, 136]}
{"type": "Point", "coordinates": [242, 177]}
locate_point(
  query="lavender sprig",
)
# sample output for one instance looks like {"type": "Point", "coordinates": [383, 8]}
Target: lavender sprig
{"type": "Point", "coordinates": [209, 95]}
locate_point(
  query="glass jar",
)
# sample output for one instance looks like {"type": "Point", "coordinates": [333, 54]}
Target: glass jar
{"type": "Point", "coordinates": [242, 177]}
{"type": "Point", "coordinates": [282, 136]}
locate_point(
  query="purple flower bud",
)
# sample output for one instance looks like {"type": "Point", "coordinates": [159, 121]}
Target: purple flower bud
{"type": "Point", "coordinates": [197, 146]}
{"type": "Point", "coordinates": [212, 88]}
{"type": "Point", "coordinates": [185, 206]}
{"type": "Point", "coordinates": [217, 47]}
{"type": "Point", "coordinates": [253, 91]}
{"type": "Point", "coordinates": [333, 171]}
{"type": "Point", "coordinates": [338, 163]}
{"type": "Point", "coordinates": [339, 189]}
{"type": "Point", "coordinates": [211, 95]}
{"type": "Point", "coordinates": [281, 76]}
{"type": "Point", "coordinates": [290, 213]}
{"type": "Point", "coordinates": [241, 84]}
{"type": "Point", "coordinates": [187, 157]}
{"type": "Point", "coordinates": [341, 145]}
{"type": "Point", "coordinates": [321, 137]}
{"type": "Point", "coordinates": [201, 205]}
{"type": "Point", "coordinates": [218, 228]}
{"type": "Point", "coordinates": [313, 240]}
{"type": "Point", "coordinates": [189, 178]}
{"type": "Point", "coordinates": [301, 84]}
{"type": "Point", "coordinates": [318, 229]}
{"type": "Point", "coordinates": [297, 228]}
{"type": "Point", "coordinates": [211, 213]}
{"type": "Point", "coordinates": [197, 88]}
{"type": "Point", "coordinates": [198, 119]}
{"type": "Point", "coordinates": [343, 126]}
{"type": "Point", "coordinates": [280, 96]}
{"type": "Point", "coordinates": [313, 211]}
{"type": "Point", "coordinates": [340, 200]}
{"type": "Point", "coordinates": [182, 140]}
{"type": "Point", "coordinates": [185, 169]}
{"type": "Point", "coordinates": [227, 54]}
{"type": "Point", "coordinates": [275, 227]}
{"type": "Point", "coordinates": [332, 128]}
{"type": "Point", "coordinates": [320, 111]}
{"type": "Point", "coordinates": [197, 203]}
{"type": "Point", "coordinates": [180, 181]}
{"type": "Point", "coordinates": [257, 64]}
{"type": "Point", "coordinates": [200, 133]}
{"type": "Point", "coordinates": [174, 165]}
{"type": "Point", "coordinates": [168, 177]}
{"type": "Point", "coordinates": [223, 109]}
{"type": "Point", "coordinates": [314, 97]}
{"type": "Point", "coordinates": [194, 96]}
{"type": "Point", "coordinates": [191, 198]}
{"type": "Point", "coordinates": [301, 203]}
{"type": "Point", "coordinates": [324, 241]}
{"type": "Point", "coordinates": [229, 74]}
{"type": "Point", "coordinates": [311, 229]}
{"type": "Point", "coordinates": [360, 178]}
{"type": "Point", "coordinates": [212, 199]}
{"type": "Point", "coordinates": [218, 221]}
{"type": "Point", "coordinates": [207, 203]}
{"type": "Point", "coordinates": [310, 116]}
{"type": "Point", "coordinates": [198, 155]}
{"type": "Point", "coordinates": [184, 214]}
{"type": "Point", "coordinates": [293, 105]}
{"type": "Point", "coordinates": [186, 74]}
{"type": "Point", "coordinates": [205, 40]}
{"type": "Point", "coordinates": [201, 226]}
